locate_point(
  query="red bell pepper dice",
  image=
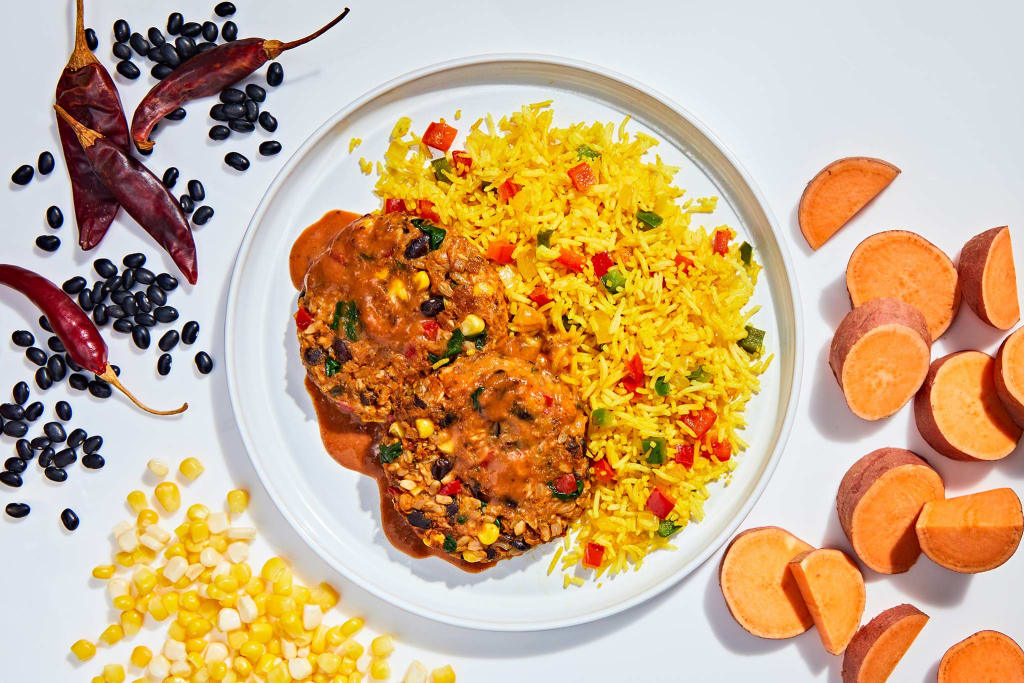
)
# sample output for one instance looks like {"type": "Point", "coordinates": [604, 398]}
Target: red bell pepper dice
{"type": "Point", "coordinates": [439, 135]}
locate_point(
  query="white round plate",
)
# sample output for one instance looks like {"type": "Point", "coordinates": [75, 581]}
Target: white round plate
{"type": "Point", "coordinates": [337, 511]}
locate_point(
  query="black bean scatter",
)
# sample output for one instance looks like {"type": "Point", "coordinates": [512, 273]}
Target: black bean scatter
{"type": "Point", "coordinates": [91, 39]}
{"type": "Point", "coordinates": [23, 338]}
{"type": "Point", "coordinates": [163, 364]}
{"type": "Point", "coordinates": [190, 332]}
{"type": "Point", "coordinates": [69, 519]}
{"type": "Point", "coordinates": [275, 74]}
{"type": "Point", "coordinates": [100, 389]}
{"type": "Point", "coordinates": [270, 148]}
{"type": "Point", "coordinates": [176, 115]}
{"type": "Point", "coordinates": [48, 243]}
{"type": "Point", "coordinates": [236, 161]}
{"type": "Point", "coordinates": [20, 391]}
{"type": "Point", "coordinates": [63, 410]}
{"type": "Point", "coordinates": [128, 70]}
{"type": "Point", "coordinates": [204, 363]}
{"type": "Point", "coordinates": [23, 175]}
{"type": "Point", "coordinates": [17, 510]}
{"type": "Point", "coordinates": [56, 474]}
{"type": "Point", "coordinates": [93, 461]}
{"type": "Point", "coordinates": [174, 23]}
{"type": "Point", "coordinates": [44, 164]}
{"type": "Point", "coordinates": [229, 32]}
{"type": "Point", "coordinates": [267, 121]}
{"type": "Point", "coordinates": [54, 217]}
{"type": "Point", "coordinates": [224, 9]}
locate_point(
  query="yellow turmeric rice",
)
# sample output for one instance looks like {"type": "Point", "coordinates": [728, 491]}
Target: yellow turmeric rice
{"type": "Point", "coordinates": [658, 346]}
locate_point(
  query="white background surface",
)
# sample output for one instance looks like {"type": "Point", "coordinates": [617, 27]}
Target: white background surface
{"type": "Point", "coordinates": [932, 87]}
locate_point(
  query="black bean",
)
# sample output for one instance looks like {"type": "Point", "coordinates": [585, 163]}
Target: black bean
{"type": "Point", "coordinates": [45, 324]}
{"type": "Point", "coordinates": [128, 70]}
{"type": "Point", "coordinates": [116, 311]}
{"type": "Point", "coordinates": [39, 443]}
{"type": "Point", "coordinates": [23, 175]}
{"type": "Point", "coordinates": [17, 510]}
{"type": "Point", "coordinates": [203, 215]}
{"type": "Point", "coordinates": [36, 355]}
{"type": "Point", "coordinates": [177, 115]}
{"type": "Point", "coordinates": [122, 51]}
{"type": "Point", "coordinates": [12, 411]}
{"type": "Point", "coordinates": [23, 338]}
{"type": "Point", "coordinates": [24, 449]}
{"type": "Point", "coordinates": [144, 320]}
{"type": "Point", "coordinates": [204, 363]}
{"type": "Point", "coordinates": [204, 46]}
{"type": "Point", "coordinates": [55, 344]}
{"type": "Point", "coordinates": [69, 519]}
{"type": "Point", "coordinates": [224, 9]}
{"type": "Point", "coordinates": [268, 121]}
{"type": "Point", "coordinates": [169, 180]}
{"type": "Point", "coordinates": [190, 332]}
{"type": "Point", "coordinates": [122, 31]}
{"type": "Point", "coordinates": [255, 92]}
{"type": "Point", "coordinates": [54, 217]}
{"type": "Point", "coordinates": [15, 428]}
{"type": "Point", "coordinates": [93, 461]}
{"type": "Point", "coordinates": [65, 457]}
{"type": "Point", "coordinates": [45, 457]}
{"type": "Point", "coordinates": [76, 437]}
{"type": "Point", "coordinates": [140, 336]}
{"type": "Point", "coordinates": [186, 47]}
{"type": "Point", "coordinates": [127, 280]}
{"type": "Point", "coordinates": [63, 410]}
{"type": "Point", "coordinates": [56, 366]}
{"type": "Point", "coordinates": [104, 266]}
{"type": "Point", "coordinates": [49, 243]}
{"type": "Point", "coordinates": [12, 479]}
{"type": "Point", "coordinates": [44, 164]}
{"type": "Point", "coordinates": [99, 315]}
{"type": "Point", "coordinates": [440, 467]}
{"type": "Point", "coordinates": [166, 314]}
{"type": "Point", "coordinates": [154, 54]}
{"type": "Point", "coordinates": [432, 306]}
{"type": "Point", "coordinates": [275, 74]}
{"type": "Point", "coordinates": [270, 147]}
{"type": "Point", "coordinates": [123, 326]}
{"type": "Point", "coordinates": [163, 364]}
{"type": "Point", "coordinates": [219, 132]}
{"type": "Point", "coordinates": [417, 247]}
{"type": "Point", "coordinates": [210, 31]}
{"type": "Point", "coordinates": [144, 276]}
{"type": "Point", "coordinates": [232, 96]}
{"type": "Point", "coordinates": [160, 71]}
{"type": "Point", "coordinates": [186, 204]}
{"type": "Point", "coordinates": [233, 110]}
{"type": "Point", "coordinates": [169, 55]}
{"type": "Point", "coordinates": [341, 350]}
{"type": "Point", "coordinates": [229, 31]}
{"type": "Point", "coordinates": [156, 296]}
{"type": "Point", "coordinates": [20, 391]}
{"type": "Point", "coordinates": [16, 465]}
{"type": "Point", "coordinates": [142, 304]}
{"type": "Point", "coordinates": [241, 126]}
{"type": "Point", "coordinates": [134, 260]}
{"type": "Point", "coordinates": [139, 44]}
{"type": "Point", "coordinates": [33, 411]}
{"type": "Point", "coordinates": [236, 161]}
{"type": "Point", "coordinates": [191, 29]}
{"type": "Point", "coordinates": [54, 431]}
{"type": "Point", "coordinates": [100, 389]}
{"type": "Point", "coordinates": [56, 474]}
{"type": "Point", "coordinates": [85, 300]}
{"type": "Point", "coordinates": [155, 36]}
{"type": "Point", "coordinates": [43, 379]}
{"type": "Point", "coordinates": [91, 39]}
{"type": "Point", "coordinates": [93, 444]}
{"type": "Point", "coordinates": [217, 113]}
{"type": "Point", "coordinates": [252, 111]}
{"type": "Point", "coordinates": [418, 519]}
{"type": "Point", "coordinates": [72, 365]}
{"type": "Point", "coordinates": [174, 23]}
{"type": "Point", "coordinates": [196, 190]}
{"type": "Point", "coordinates": [99, 291]}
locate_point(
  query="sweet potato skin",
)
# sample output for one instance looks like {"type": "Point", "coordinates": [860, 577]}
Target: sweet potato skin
{"type": "Point", "coordinates": [969, 533]}
{"type": "Point", "coordinates": [1005, 360]}
{"type": "Point", "coordinates": [985, 657]}
{"type": "Point", "coordinates": [971, 266]}
{"type": "Point", "coordinates": [863, 320]}
{"type": "Point", "coordinates": [860, 647]}
{"type": "Point", "coordinates": [858, 480]}
{"type": "Point", "coordinates": [881, 174]}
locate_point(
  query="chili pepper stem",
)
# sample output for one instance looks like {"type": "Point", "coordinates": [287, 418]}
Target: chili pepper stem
{"type": "Point", "coordinates": [86, 136]}
{"type": "Point", "coordinates": [275, 47]}
{"type": "Point", "coordinates": [109, 376]}
{"type": "Point", "coordinates": [81, 55]}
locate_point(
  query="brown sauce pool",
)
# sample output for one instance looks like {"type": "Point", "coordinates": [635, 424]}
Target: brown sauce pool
{"type": "Point", "coordinates": [346, 439]}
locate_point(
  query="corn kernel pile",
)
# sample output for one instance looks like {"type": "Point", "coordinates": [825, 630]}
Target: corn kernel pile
{"type": "Point", "coordinates": [226, 623]}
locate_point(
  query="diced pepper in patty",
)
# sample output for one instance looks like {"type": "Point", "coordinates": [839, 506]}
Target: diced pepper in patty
{"type": "Point", "coordinates": [303, 319]}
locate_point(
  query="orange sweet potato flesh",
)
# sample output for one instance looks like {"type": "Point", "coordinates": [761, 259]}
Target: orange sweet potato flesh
{"type": "Point", "coordinates": [972, 533]}
{"type": "Point", "coordinates": [989, 278]}
{"type": "Point", "coordinates": [1009, 376]}
{"type": "Point", "coordinates": [958, 411]}
{"type": "Point", "coordinates": [881, 643]}
{"type": "Point", "coordinates": [985, 657]}
{"type": "Point", "coordinates": [759, 589]}
{"type": "Point", "coordinates": [833, 590]}
{"type": "Point", "coordinates": [879, 356]}
{"type": "Point", "coordinates": [838, 192]}
{"type": "Point", "coordinates": [905, 266]}
{"type": "Point", "coordinates": [878, 502]}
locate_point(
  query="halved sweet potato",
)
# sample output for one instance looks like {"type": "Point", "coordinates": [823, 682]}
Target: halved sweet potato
{"type": "Point", "coordinates": [879, 500]}
{"type": "Point", "coordinates": [879, 356]}
{"type": "Point", "coordinates": [759, 589]}
{"type": "Point", "coordinates": [838, 192]}
{"type": "Point", "coordinates": [833, 590]}
{"type": "Point", "coordinates": [1009, 375]}
{"type": "Point", "coordinates": [989, 279]}
{"type": "Point", "coordinates": [972, 533]}
{"type": "Point", "coordinates": [985, 657]}
{"type": "Point", "coordinates": [958, 411]}
{"type": "Point", "coordinates": [903, 265]}
{"type": "Point", "coordinates": [881, 643]}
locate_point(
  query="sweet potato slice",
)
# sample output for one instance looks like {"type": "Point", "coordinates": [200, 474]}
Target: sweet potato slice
{"type": "Point", "coordinates": [833, 590]}
{"type": "Point", "coordinates": [879, 500]}
{"type": "Point", "coordinates": [1009, 375]}
{"type": "Point", "coordinates": [759, 589]}
{"type": "Point", "coordinates": [958, 411]}
{"type": "Point", "coordinates": [881, 643]}
{"type": "Point", "coordinates": [880, 355]}
{"type": "Point", "coordinates": [989, 279]}
{"type": "Point", "coordinates": [838, 192]}
{"type": "Point", "coordinates": [905, 266]}
{"type": "Point", "coordinates": [972, 533]}
{"type": "Point", "coordinates": [985, 657]}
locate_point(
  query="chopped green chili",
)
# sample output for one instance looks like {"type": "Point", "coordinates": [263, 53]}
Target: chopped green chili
{"type": "Point", "coordinates": [461, 519]}
{"type": "Point", "coordinates": [699, 375]}
{"type": "Point", "coordinates": [351, 317]}
{"type": "Point", "coordinates": [480, 340]}
{"type": "Point", "coordinates": [613, 280]}
{"type": "Point", "coordinates": [336, 391]}
{"type": "Point", "coordinates": [544, 238]}
{"type": "Point", "coordinates": [567, 496]}
{"type": "Point", "coordinates": [449, 544]}
{"type": "Point", "coordinates": [442, 169]}
{"type": "Point", "coordinates": [649, 218]}
{"type": "Point", "coordinates": [454, 346]}
{"type": "Point", "coordinates": [601, 417]}
{"type": "Point", "coordinates": [662, 387]}
{"type": "Point", "coordinates": [435, 233]}
{"type": "Point", "coordinates": [339, 309]}
{"type": "Point", "coordinates": [475, 397]}
{"type": "Point", "coordinates": [568, 323]}
{"type": "Point", "coordinates": [667, 527]}
{"type": "Point", "coordinates": [585, 151]}
{"type": "Point", "coordinates": [331, 366]}
{"type": "Point", "coordinates": [746, 253]}
{"type": "Point", "coordinates": [653, 449]}
{"type": "Point", "coordinates": [753, 341]}
{"type": "Point", "coordinates": [389, 452]}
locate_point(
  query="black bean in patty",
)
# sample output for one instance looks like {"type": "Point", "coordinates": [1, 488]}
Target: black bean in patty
{"type": "Point", "coordinates": [418, 520]}
{"type": "Point", "coordinates": [417, 247]}
{"type": "Point", "coordinates": [341, 350]}
{"type": "Point", "coordinates": [440, 467]}
{"type": "Point", "coordinates": [432, 306]}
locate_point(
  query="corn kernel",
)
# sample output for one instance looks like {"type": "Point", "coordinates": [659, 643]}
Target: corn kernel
{"type": "Point", "coordinates": [397, 290]}
{"type": "Point", "coordinates": [291, 623]}
{"type": "Point", "coordinates": [352, 626]}
{"type": "Point", "coordinates": [112, 634]}
{"type": "Point", "coordinates": [113, 673]}
{"type": "Point", "coordinates": [488, 534]}
{"type": "Point", "coordinates": [103, 571]}
{"type": "Point", "coordinates": [157, 467]}
{"type": "Point", "coordinates": [199, 532]}
{"type": "Point", "coordinates": [382, 646]}
{"type": "Point", "coordinates": [124, 602]}
{"type": "Point", "coordinates": [472, 325]}
{"type": "Point", "coordinates": [156, 608]}
{"type": "Point", "coordinates": [169, 497]}
{"type": "Point", "coordinates": [137, 501]}
{"type": "Point", "coordinates": [424, 427]}
{"type": "Point", "coordinates": [334, 636]}
{"type": "Point", "coordinates": [272, 568]}
{"type": "Point", "coordinates": [198, 512]}
{"type": "Point", "coordinates": [328, 662]}
{"type": "Point", "coordinates": [131, 622]}
{"type": "Point", "coordinates": [238, 500]}
{"type": "Point", "coordinates": [279, 674]}
{"type": "Point", "coordinates": [191, 468]}
{"type": "Point", "coordinates": [141, 656]}
{"type": "Point", "coordinates": [421, 281]}
{"type": "Point", "coordinates": [217, 670]}
{"type": "Point", "coordinates": [266, 663]}
{"type": "Point", "coordinates": [379, 670]}
{"type": "Point", "coordinates": [236, 639]}
{"type": "Point", "coordinates": [189, 600]}
{"type": "Point", "coordinates": [299, 668]}
{"type": "Point", "coordinates": [261, 632]}
{"type": "Point", "coordinates": [147, 518]}
{"type": "Point", "coordinates": [416, 673]}
{"type": "Point", "coordinates": [198, 627]}
{"type": "Point", "coordinates": [447, 446]}
{"type": "Point", "coordinates": [97, 679]}
{"type": "Point", "coordinates": [312, 616]}
{"type": "Point", "coordinates": [352, 649]}
{"type": "Point", "coordinates": [228, 620]}
{"type": "Point", "coordinates": [83, 649]}
{"type": "Point", "coordinates": [144, 580]}
{"type": "Point", "coordinates": [482, 289]}
{"type": "Point", "coordinates": [444, 674]}
{"type": "Point", "coordinates": [283, 583]}
{"type": "Point", "coordinates": [301, 595]}
{"type": "Point", "coordinates": [242, 666]}
{"type": "Point", "coordinates": [124, 559]}
{"type": "Point", "coordinates": [176, 632]}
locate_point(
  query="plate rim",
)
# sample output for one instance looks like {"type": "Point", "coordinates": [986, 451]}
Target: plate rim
{"type": "Point", "coordinates": [234, 289]}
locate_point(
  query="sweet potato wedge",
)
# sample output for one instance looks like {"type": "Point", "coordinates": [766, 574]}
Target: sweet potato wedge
{"type": "Point", "coordinates": [972, 533]}
{"type": "Point", "coordinates": [758, 587]}
{"type": "Point", "coordinates": [838, 193]}
{"type": "Point", "coordinates": [905, 266]}
{"type": "Point", "coordinates": [1009, 376]}
{"type": "Point", "coordinates": [958, 411]}
{"type": "Point", "coordinates": [878, 502]}
{"type": "Point", "coordinates": [879, 356]}
{"type": "Point", "coordinates": [833, 590]}
{"type": "Point", "coordinates": [989, 279]}
{"type": "Point", "coordinates": [985, 657]}
{"type": "Point", "coordinates": [881, 643]}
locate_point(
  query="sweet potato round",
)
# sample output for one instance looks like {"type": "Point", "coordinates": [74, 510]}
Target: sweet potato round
{"type": "Point", "coordinates": [989, 279]}
{"type": "Point", "coordinates": [959, 413]}
{"type": "Point", "coordinates": [905, 266]}
{"type": "Point", "coordinates": [972, 533]}
{"type": "Point", "coordinates": [838, 192]}
{"type": "Point", "coordinates": [1009, 376]}
{"type": "Point", "coordinates": [833, 590]}
{"type": "Point", "coordinates": [759, 589]}
{"type": "Point", "coordinates": [880, 644]}
{"type": "Point", "coordinates": [985, 657]}
{"type": "Point", "coordinates": [879, 356]}
{"type": "Point", "coordinates": [878, 502]}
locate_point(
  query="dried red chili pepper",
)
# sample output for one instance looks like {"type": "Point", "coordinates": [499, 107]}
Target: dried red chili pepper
{"type": "Point", "coordinates": [72, 326]}
{"type": "Point", "coordinates": [207, 74]}
{"type": "Point", "coordinates": [141, 194]}
{"type": "Point", "coordinates": [86, 91]}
